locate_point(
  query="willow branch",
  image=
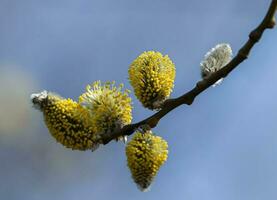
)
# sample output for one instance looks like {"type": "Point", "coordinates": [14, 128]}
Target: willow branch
{"type": "Point", "coordinates": [188, 98]}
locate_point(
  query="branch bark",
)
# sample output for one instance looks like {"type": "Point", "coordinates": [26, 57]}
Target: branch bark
{"type": "Point", "coordinates": [188, 98]}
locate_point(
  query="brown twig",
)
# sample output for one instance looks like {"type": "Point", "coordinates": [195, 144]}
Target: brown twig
{"type": "Point", "coordinates": [188, 98]}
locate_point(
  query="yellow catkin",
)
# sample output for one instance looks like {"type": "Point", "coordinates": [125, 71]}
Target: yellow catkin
{"type": "Point", "coordinates": [109, 106]}
{"type": "Point", "coordinates": [152, 76]}
{"type": "Point", "coordinates": [146, 153]}
{"type": "Point", "coordinates": [67, 122]}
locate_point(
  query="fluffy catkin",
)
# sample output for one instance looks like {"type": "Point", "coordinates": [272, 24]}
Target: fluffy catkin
{"type": "Point", "coordinates": [215, 59]}
{"type": "Point", "coordinates": [66, 120]}
{"type": "Point", "coordinates": [110, 107]}
{"type": "Point", "coordinates": [152, 76]}
{"type": "Point", "coordinates": [146, 153]}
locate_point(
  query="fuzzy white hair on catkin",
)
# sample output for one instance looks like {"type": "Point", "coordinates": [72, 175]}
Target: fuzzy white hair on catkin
{"type": "Point", "coordinates": [37, 98]}
{"type": "Point", "coordinates": [144, 189]}
{"type": "Point", "coordinates": [215, 59]}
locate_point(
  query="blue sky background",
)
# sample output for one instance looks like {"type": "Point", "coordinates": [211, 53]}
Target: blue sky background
{"type": "Point", "coordinates": [224, 146]}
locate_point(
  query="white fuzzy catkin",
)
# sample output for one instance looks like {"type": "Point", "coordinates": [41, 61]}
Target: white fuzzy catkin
{"type": "Point", "coordinates": [215, 59]}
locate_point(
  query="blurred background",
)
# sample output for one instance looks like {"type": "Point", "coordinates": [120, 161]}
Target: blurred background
{"type": "Point", "coordinates": [224, 146]}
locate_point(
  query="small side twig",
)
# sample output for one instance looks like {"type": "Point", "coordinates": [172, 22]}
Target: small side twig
{"type": "Point", "coordinates": [188, 98]}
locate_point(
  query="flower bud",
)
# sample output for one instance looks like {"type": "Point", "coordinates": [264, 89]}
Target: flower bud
{"type": "Point", "coordinates": [215, 59]}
